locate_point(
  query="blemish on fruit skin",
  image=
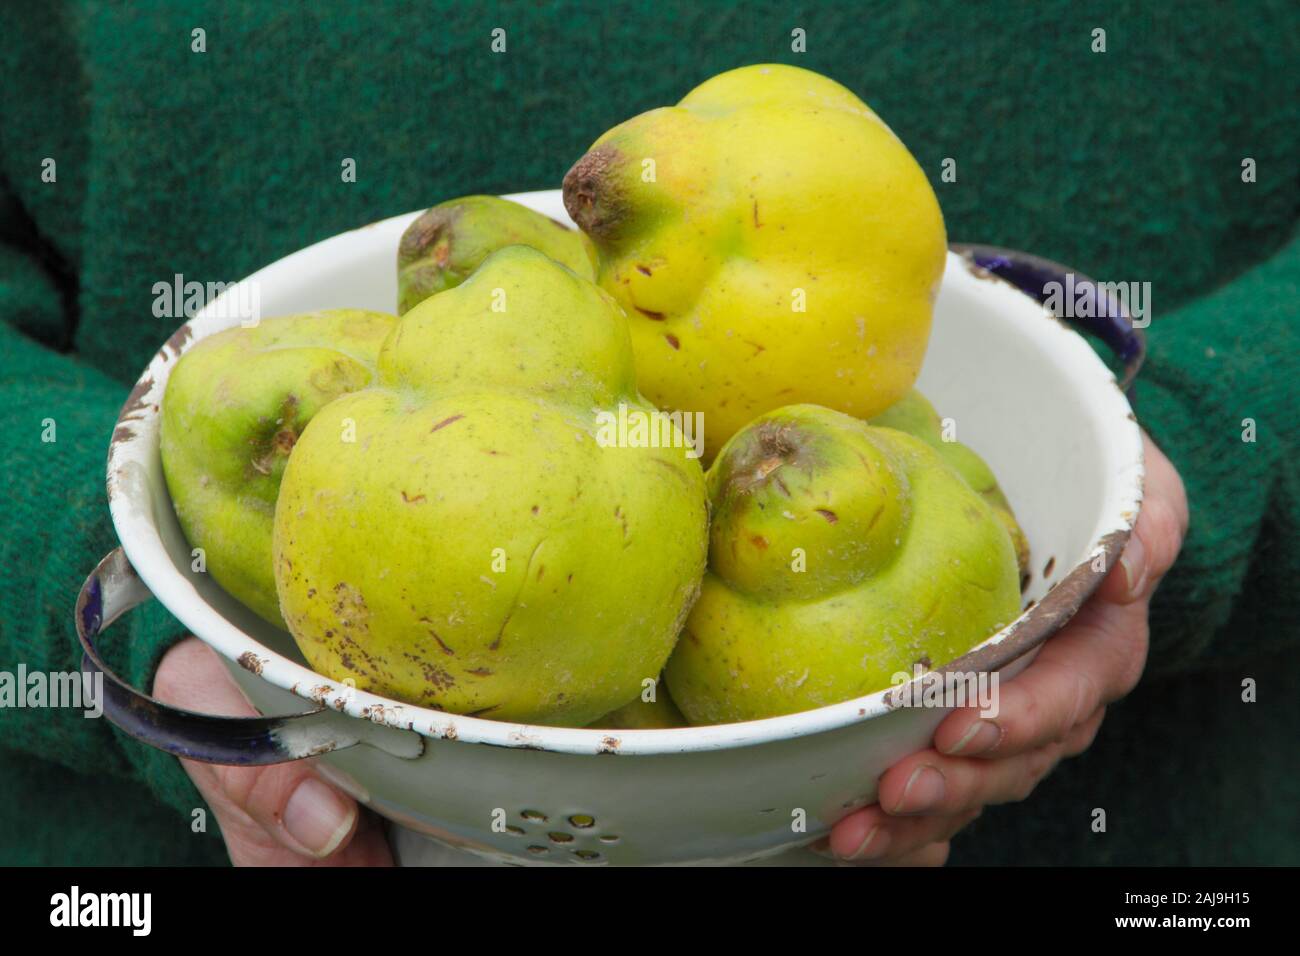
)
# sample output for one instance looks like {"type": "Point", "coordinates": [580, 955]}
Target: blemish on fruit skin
{"type": "Point", "coordinates": [672, 340]}
{"type": "Point", "coordinates": [759, 542]}
{"type": "Point", "coordinates": [875, 517]}
{"type": "Point", "coordinates": [655, 316]}
{"type": "Point", "coordinates": [643, 270]}
{"type": "Point", "coordinates": [445, 422]}
{"type": "Point", "coordinates": [437, 678]}
{"type": "Point", "coordinates": [411, 500]}
{"type": "Point", "coordinates": [829, 515]}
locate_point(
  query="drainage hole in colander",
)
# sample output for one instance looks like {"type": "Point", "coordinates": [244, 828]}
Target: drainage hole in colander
{"type": "Point", "coordinates": [533, 816]}
{"type": "Point", "coordinates": [610, 838]}
{"type": "Point", "coordinates": [560, 837]}
{"type": "Point", "coordinates": [583, 821]}
{"type": "Point", "coordinates": [586, 856]}
{"type": "Point", "coordinates": [538, 850]}
{"type": "Point", "coordinates": [514, 830]}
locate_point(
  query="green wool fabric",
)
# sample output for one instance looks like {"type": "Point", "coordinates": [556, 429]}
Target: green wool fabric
{"type": "Point", "coordinates": [1127, 164]}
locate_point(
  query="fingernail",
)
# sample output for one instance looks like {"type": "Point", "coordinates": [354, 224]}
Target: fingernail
{"type": "Point", "coordinates": [924, 790]}
{"type": "Point", "coordinates": [1134, 562]}
{"type": "Point", "coordinates": [980, 737]}
{"type": "Point", "coordinates": [873, 845]}
{"type": "Point", "coordinates": [318, 818]}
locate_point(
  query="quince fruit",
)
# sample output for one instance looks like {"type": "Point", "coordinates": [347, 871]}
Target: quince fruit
{"type": "Point", "coordinates": [443, 247]}
{"type": "Point", "coordinates": [658, 713]}
{"type": "Point", "coordinates": [915, 415]}
{"type": "Point", "coordinates": [839, 555]}
{"type": "Point", "coordinates": [457, 535]}
{"type": "Point", "coordinates": [235, 405]}
{"type": "Point", "coordinates": [772, 241]}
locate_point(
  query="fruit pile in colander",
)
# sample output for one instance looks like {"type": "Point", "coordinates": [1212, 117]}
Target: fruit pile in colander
{"type": "Point", "coordinates": [669, 469]}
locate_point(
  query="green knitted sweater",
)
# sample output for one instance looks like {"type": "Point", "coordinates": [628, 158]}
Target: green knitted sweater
{"type": "Point", "coordinates": [1126, 164]}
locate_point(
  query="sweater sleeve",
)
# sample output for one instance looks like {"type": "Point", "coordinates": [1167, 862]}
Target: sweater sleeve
{"type": "Point", "coordinates": [1219, 395]}
{"type": "Point", "coordinates": [56, 416]}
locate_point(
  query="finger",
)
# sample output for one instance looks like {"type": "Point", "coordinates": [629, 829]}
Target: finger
{"type": "Point", "coordinates": [1094, 660]}
{"type": "Point", "coordinates": [1099, 656]}
{"type": "Point", "coordinates": [1081, 738]}
{"type": "Point", "coordinates": [870, 835]}
{"type": "Point", "coordinates": [931, 855]}
{"type": "Point", "coordinates": [281, 814]}
{"type": "Point", "coordinates": [1157, 537]}
{"type": "Point", "coordinates": [932, 783]}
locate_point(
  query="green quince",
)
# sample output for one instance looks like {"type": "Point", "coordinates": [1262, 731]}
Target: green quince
{"type": "Point", "coordinates": [235, 404]}
{"type": "Point", "coordinates": [840, 555]}
{"type": "Point", "coordinates": [915, 415]}
{"type": "Point", "coordinates": [444, 246]}
{"type": "Point", "coordinates": [459, 535]}
{"type": "Point", "coordinates": [656, 713]}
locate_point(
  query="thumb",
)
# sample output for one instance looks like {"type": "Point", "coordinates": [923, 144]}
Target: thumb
{"type": "Point", "coordinates": [1157, 537]}
{"type": "Point", "coordinates": [280, 815]}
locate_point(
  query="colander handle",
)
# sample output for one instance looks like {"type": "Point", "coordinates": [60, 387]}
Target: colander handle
{"type": "Point", "coordinates": [114, 588]}
{"type": "Point", "coordinates": [1031, 274]}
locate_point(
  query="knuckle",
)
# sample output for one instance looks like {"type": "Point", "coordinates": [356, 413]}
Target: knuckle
{"type": "Point", "coordinates": [1131, 666]}
{"type": "Point", "coordinates": [1087, 698]}
{"type": "Point", "coordinates": [238, 784]}
{"type": "Point", "coordinates": [1026, 714]}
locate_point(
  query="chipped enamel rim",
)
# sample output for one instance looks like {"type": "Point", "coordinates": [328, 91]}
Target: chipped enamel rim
{"type": "Point", "coordinates": [135, 447]}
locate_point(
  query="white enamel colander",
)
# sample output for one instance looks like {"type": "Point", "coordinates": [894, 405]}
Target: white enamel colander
{"type": "Point", "coordinates": [1027, 392]}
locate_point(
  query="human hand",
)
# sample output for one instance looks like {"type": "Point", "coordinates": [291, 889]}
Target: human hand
{"type": "Point", "coordinates": [281, 815]}
{"type": "Point", "coordinates": [1050, 711]}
